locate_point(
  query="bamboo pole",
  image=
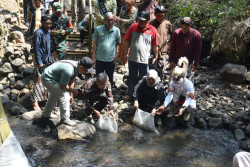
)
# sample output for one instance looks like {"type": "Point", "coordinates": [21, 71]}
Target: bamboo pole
{"type": "Point", "coordinates": [4, 125]}
{"type": "Point", "coordinates": [90, 28]}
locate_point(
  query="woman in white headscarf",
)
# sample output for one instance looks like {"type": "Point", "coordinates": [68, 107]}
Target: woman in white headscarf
{"type": "Point", "coordinates": [149, 93]}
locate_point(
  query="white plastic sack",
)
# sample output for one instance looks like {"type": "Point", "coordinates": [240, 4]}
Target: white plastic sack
{"type": "Point", "coordinates": [241, 159]}
{"type": "Point", "coordinates": [144, 120]}
{"type": "Point", "coordinates": [107, 123]}
{"type": "Point", "coordinates": [11, 153]}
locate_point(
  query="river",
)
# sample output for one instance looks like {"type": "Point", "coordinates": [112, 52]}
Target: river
{"type": "Point", "coordinates": [178, 147]}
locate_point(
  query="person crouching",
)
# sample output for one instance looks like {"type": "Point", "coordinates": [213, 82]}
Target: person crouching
{"type": "Point", "coordinates": [97, 95]}
{"type": "Point", "coordinates": [181, 93]}
{"type": "Point", "coordinates": [149, 93]}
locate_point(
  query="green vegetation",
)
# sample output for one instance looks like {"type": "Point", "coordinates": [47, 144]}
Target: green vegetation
{"type": "Point", "coordinates": [207, 15]}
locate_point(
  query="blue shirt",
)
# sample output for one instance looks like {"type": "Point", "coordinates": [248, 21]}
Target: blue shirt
{"type": "Point", "coordinates": [41, 45]}
{"type": "Point", "coordinates": [106, 41]}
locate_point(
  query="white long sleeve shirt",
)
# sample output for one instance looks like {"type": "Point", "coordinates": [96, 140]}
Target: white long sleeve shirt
{"type": "Point", "coordinates": [181, 89]}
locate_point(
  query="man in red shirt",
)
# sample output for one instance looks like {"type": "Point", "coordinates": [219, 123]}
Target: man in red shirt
{"type": "Point", "coordinates": [140, 38]}
{"type": "Point", "coordinates": [185, 42]}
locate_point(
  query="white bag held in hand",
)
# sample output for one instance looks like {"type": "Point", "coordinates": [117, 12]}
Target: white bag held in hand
{"type": "Point", "coordinates": [107, 123]}
{"type": "Point", "coordinates": [144, 120]}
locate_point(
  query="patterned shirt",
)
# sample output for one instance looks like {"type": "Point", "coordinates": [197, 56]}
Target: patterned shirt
{"type": "Point", "coordinates": [90, 91]}
{"type": "Point", "coordinates": [111, 6]}
{"type": "Point", "coordinates": [130, 19]}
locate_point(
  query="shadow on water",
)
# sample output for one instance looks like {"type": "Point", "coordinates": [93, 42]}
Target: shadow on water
{"type": "Point", "coordinates": [171, 148]}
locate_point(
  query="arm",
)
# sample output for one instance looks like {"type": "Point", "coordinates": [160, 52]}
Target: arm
{"type": "Point", "coordinates": [93, 52]}
{"type": "Point", "coordinates": [172, 51]}
{"type": "Point", "coordinates": [136, 92]}
{"type": "Point", "coordinates": [36, 43]}
{"type": "Point", "coordinates": [126, 49]}
{"type": "Point", "coordinates": [80, 25]}
{"type": "Point", "coordinates": [155, 49]}
{"type": "Point", "coordinates": [110, 99]}
{"type": "Point", "coordinates": [197, 51]}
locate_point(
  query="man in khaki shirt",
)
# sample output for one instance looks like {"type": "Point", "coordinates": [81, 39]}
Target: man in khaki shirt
{"type": "Point", "coordinates": [164, 29]}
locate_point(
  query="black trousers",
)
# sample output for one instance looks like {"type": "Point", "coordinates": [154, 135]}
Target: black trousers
{"type": "Point", "coordinates": [84, 33]}
{"type": "Point", "coordinates": [99, 103]}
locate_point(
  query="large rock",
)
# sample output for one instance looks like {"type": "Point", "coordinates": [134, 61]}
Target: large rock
{"type": "Point", "coordinates": [78, 132]}
{"type": "Point", "coordinates": [16, 37]}
{"type": "Point", "coordinates": [18, 62]}
{"type": "Point", "coordinates": [215, 123]}
{"type": "Point", "coordinates": [248, 76]}
{"type": "Point", "coordinates": [26, 101]}
{"type": "Point", "coordinates": [239, 134]}
{"type": "Point", "coordinates": [233, 72]}
{"type": "Point", "coordinates": [32, 115]}
{"type": "Point", "coordinates": [6, 68]}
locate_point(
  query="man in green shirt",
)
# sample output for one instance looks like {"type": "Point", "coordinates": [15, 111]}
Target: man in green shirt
{"type": "Point", "coordinates": [59, 78]}
{"type": "Point", "coordinates": [106, 41]}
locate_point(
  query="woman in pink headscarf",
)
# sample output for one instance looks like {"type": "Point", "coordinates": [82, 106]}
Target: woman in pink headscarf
{"type": "Point", "coordinates": [126, 18]}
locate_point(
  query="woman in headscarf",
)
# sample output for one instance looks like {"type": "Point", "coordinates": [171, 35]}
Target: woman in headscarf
{"type": "Point", "coordinates": [127, 17]}
{"type": "Point", "coordinates": [149, 93]}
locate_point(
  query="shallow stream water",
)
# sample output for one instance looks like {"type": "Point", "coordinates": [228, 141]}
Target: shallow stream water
{"type": "Point", "coordinates": [135, 147]}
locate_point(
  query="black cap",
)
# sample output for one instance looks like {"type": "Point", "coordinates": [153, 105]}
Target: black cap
{"type": "Point", "coordinates": [186, 20]}
{"type": "Point", "coordinates": [143, 15]}
{"type": "Point", "coordinates": [160, 9]}
{"type": "Point", "coordinates": [86, 62]}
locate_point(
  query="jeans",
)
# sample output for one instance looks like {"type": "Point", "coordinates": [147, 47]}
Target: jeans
{"type": "Point", "coordinates": [108, 67]}
{"type": "Point", "coordinates": [134, 68]}
{"type": "Point", "coordinates": [55, 94]}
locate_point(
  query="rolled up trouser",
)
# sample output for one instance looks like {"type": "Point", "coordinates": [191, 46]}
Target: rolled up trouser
{"type": "Point", "coordinates": [55, 94]}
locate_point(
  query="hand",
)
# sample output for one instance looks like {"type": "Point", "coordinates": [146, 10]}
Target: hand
{"type": "Point", "coordinates": [63, 32]}
{"type": "Point", "coordinates": [54, 55]}
{"type": "Point", "coordinates": [136, 105]}
{"type": "Point", "coordinates": [153, 61]}
{"type": "Point", "coordinates": [111, 113]}
{"type": "Point", "coordinates": [93, 59]}
{"type": "Point", "coordinates": [172, 65]}
{"type": "Point", "coordinates": [40, 65]}
{"type": "Point", "coordinates": [160, 110]}
{"type": "Point", "coordinates": [71, 100]}
{"type": "Point", "coordinates": [180, 112]}
{"type": "Point", "coordinates": [193, 68]}
{"type": "Point", "coordinates": [153, 112]}
{"type": "Point", "coordinates": [97, 113]}
{"type": "Point", "coordinates": [115, 58]}
{"type": "Point", "coordinates": [85, 30]}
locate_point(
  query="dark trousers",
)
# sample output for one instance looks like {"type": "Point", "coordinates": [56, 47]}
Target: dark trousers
{"type": "Point", "coordinates": [134, 68]}
{"type": "Point", "coordinates": [84, 33]}
{"type": "Point", "coordinates": [99, 103]}
{"type": "Point", "coordinates": [107, 67]}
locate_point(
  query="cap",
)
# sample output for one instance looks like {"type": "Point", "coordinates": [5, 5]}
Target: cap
{"type": "Point", "coordinates": [86, 62]}
{"type": "Point", "coordinates": [186, 20]}
{"type": "Point", "coordinates": [57, 6]}
{"type": "Point", "coordinates": [143, 15]}
{"type": "Point", "coordinates": [160, 9]}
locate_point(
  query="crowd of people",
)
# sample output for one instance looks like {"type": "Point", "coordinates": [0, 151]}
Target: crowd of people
{"type": "Point", "coordinates": [139, 35]}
